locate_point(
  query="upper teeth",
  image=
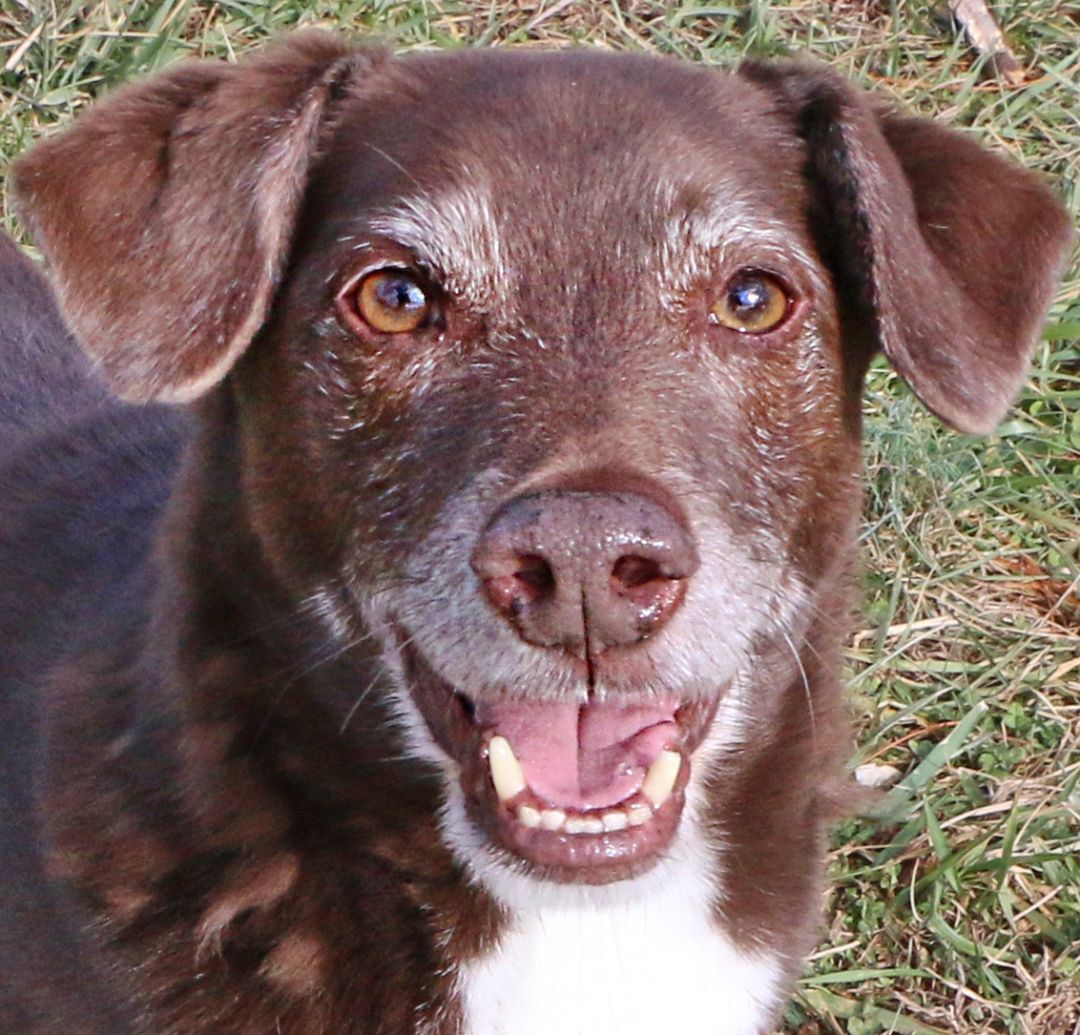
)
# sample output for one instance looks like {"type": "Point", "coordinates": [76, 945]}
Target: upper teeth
{"type": "Point", "coordinates": [661, 777]}
{"type": "Point", "coordinates": [506, 771]}
{"type": "Point", "coordinates": [509, 779]}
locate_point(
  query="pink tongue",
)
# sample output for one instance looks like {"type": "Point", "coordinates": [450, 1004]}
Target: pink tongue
{"type": "Point", "coordinates": [583, 756]}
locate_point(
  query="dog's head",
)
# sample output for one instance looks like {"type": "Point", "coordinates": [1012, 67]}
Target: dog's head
{"type": "Point", "coordinates": [547, 373]}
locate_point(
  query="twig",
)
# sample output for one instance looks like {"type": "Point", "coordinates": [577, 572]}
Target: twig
{"type": "Point", "coordinates": [987, 39]}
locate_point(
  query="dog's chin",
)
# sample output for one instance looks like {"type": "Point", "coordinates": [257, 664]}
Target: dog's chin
{"type": "Point", "coordinates": [563, 812]}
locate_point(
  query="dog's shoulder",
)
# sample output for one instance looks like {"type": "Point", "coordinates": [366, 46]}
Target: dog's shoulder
{"type": "Point", "coordinates": [69, 453]}
{"type": "Point", "coordinates": [82, 479]}
{"type": "Point", "coordinates": [45, 379]}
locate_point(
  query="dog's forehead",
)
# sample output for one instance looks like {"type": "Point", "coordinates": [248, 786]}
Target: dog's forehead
{"type": "Point", "coordinates": [487, 163]}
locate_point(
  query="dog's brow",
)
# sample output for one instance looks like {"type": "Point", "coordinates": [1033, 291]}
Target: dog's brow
{"type": "Point", "coordinates": [692, 238]}
{"type": "Point", "coordinates": [454, 232]}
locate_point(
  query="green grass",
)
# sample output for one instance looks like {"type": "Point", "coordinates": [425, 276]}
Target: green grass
{"type": "Point", "coordinates": [956, 903]}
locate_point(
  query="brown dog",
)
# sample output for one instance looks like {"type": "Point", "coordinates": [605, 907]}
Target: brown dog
{"type": "Point", "coordinates": [464, 657]}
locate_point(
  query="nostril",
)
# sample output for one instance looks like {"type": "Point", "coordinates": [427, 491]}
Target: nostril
{"type": "Point", "coordinates": [534, 574]}
{"type": "Point", "coordinates": [652, 590]}
{"type": "Point", "coordinates": [529, 579]}
{"type": "Point", "coordinates": [630, 572]}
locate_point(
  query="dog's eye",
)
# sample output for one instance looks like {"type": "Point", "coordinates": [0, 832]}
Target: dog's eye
{"type": "Point", "coordinates": [752, 302]}
{"type": "Point", "coordinates": [392, 302]}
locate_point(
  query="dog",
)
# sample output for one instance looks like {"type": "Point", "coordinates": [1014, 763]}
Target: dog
{"type": "Point", "coordinates": [422, 596]}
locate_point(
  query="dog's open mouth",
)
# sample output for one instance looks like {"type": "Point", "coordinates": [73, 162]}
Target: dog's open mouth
{"type": "Point", "coordinates": [587, 792]}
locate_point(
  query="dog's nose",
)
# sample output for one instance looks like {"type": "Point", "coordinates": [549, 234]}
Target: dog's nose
{"type": "Point", "coordinates": [585, 571]}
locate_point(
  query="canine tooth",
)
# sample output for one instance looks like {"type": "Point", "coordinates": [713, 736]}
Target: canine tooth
{"type": "Point", "coordinates": [552, 819]}
{"type": "Point", "coordinates": [661, 777]}
{"type": "Point", "coordinates": [528, 816]}
{"type": "Point", "coordinates": [574, 825]}
{"type": "Point", "coordinates": [616, 821]}
{"type": "Point", "coordinates": [638, 814]}
{"type": "Point", "coordinates": [506, 771]}
{"type": "Point", "coordinates": [592, 826]}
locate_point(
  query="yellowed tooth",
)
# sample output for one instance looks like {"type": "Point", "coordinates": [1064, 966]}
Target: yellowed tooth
{"type": "Point", "coordinates": [661, 777]}
{"type": "Point", "coordinates": [506, 772]}
{"type": "Point", "coordinates": [528, 816]}
{"type": "Point", "coordinates": [636, 815]}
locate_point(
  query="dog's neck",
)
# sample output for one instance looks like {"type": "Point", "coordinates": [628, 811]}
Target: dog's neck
{"type": "Point", "coordinates": [641, 956]}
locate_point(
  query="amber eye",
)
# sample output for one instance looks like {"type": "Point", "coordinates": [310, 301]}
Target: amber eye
{"type": "Point", "coordinates": [752, 302]}
{"type": "Point", "coordinates": [392, 302]}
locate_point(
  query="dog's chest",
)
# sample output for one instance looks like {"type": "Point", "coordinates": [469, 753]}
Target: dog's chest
{"type": "Point", "coordinates": [652, 963]}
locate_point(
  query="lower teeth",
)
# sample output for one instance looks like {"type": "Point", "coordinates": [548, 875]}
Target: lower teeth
{"type": "Point", "coordinates": [557, 820]}
{"type": "Point", "coordinates": [508, 778]}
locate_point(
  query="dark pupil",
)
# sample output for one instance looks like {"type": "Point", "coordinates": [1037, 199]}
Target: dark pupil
{"type": "Point", "coordinates": [748, 296]}
{"type": "Point", "coordinates": [400, 294]}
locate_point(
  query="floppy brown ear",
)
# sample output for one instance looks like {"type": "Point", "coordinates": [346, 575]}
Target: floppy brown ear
{"type": "Point", "coordinates": [167, 210]}
{"type": "Point", "coordinates": [944, 255]}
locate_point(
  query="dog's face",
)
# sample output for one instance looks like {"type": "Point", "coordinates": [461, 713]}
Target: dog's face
{"type": "Point", "coordinates": [573, 414]}
{"type": "Point", "coordinates": [553, 400]}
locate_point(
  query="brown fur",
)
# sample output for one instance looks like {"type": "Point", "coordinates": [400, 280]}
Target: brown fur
{"type": "Point", "coordinates": [214, 824]}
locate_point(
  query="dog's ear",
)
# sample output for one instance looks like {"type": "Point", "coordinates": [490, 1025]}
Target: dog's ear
{"type": "Point", "coordinates": [166, 211]}
{"type": "Point", "coordinates": [944, 255]}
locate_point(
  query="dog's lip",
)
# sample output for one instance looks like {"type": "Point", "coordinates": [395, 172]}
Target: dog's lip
{"type": "Point", "coordinates": [584, 856]}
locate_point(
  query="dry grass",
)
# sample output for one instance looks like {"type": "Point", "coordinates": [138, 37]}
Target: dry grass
{"type": "Point", "coordinates": [957, 903]}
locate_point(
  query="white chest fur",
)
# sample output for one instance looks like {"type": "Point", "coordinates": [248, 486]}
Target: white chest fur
{"type": "Point", "coordinates": [635, 958]}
